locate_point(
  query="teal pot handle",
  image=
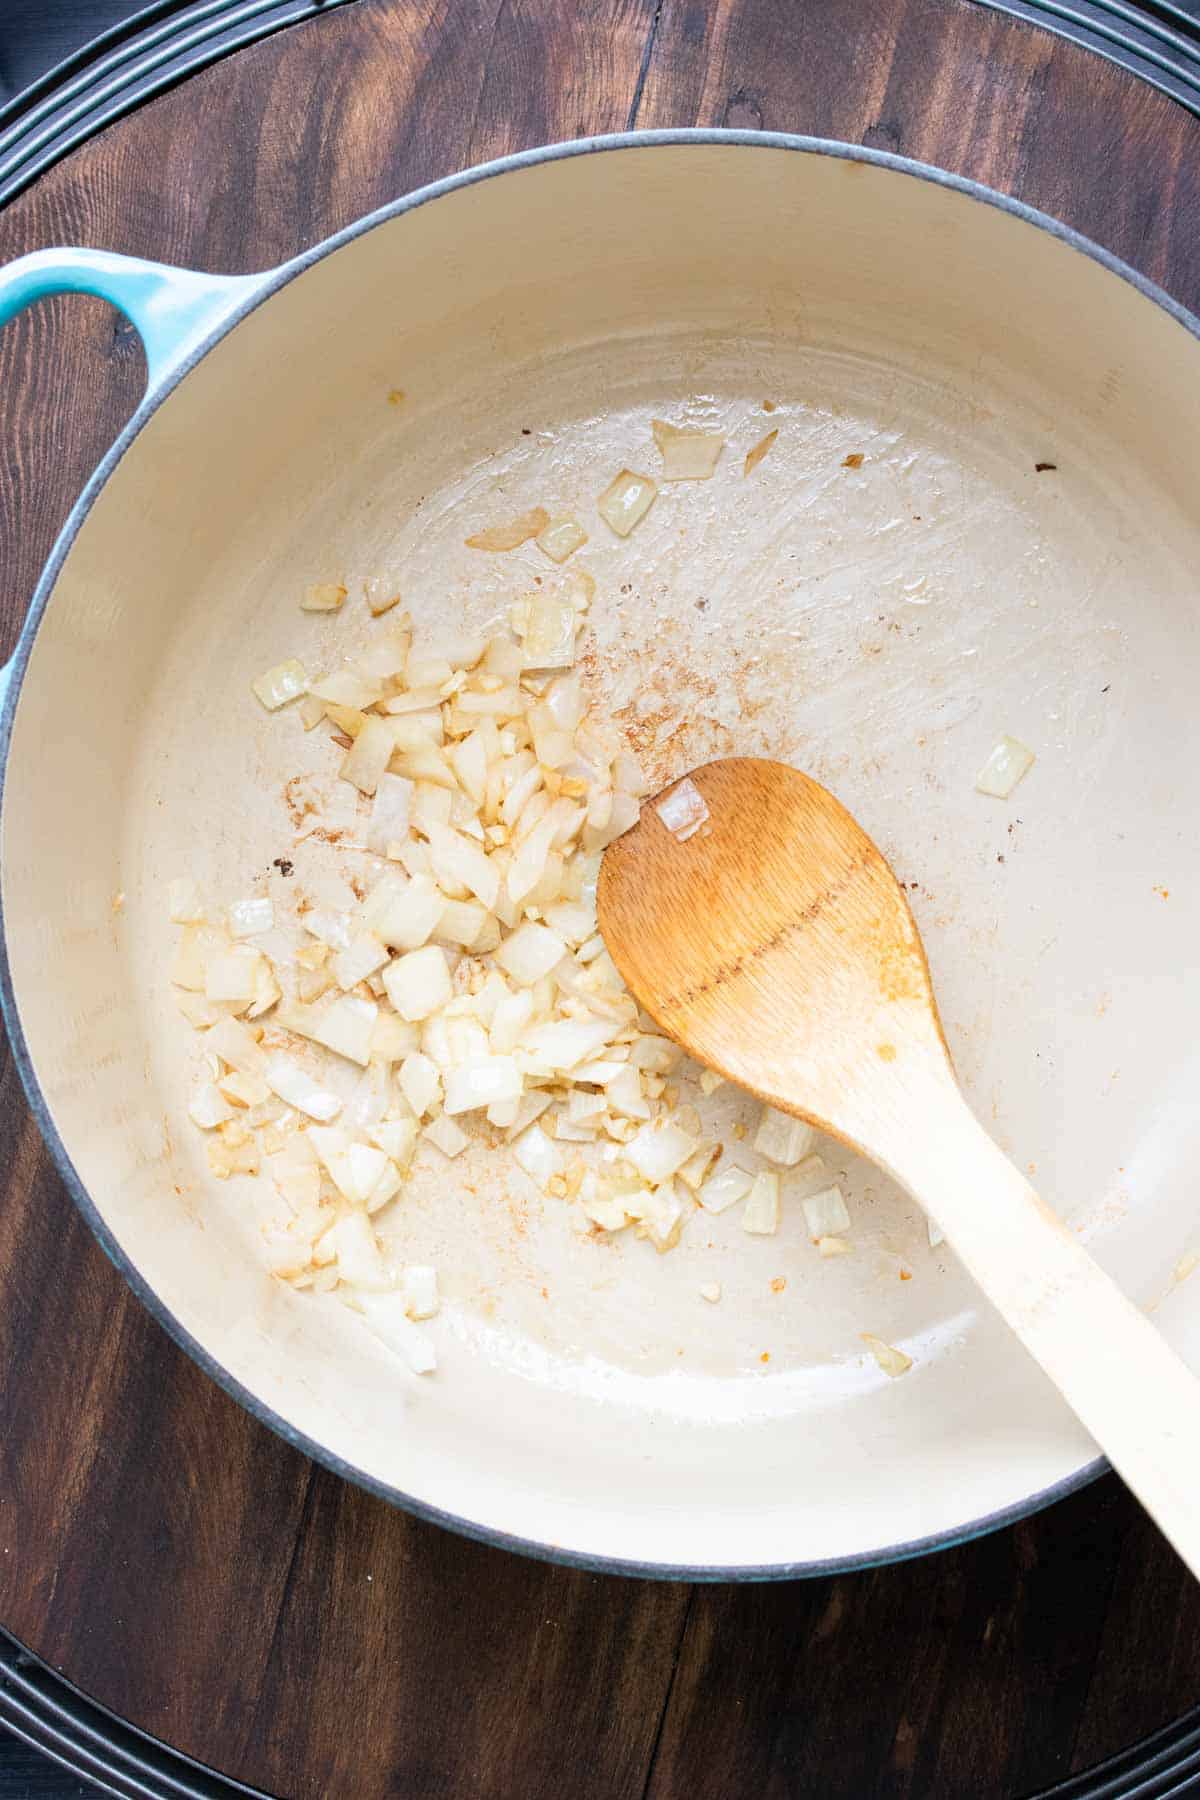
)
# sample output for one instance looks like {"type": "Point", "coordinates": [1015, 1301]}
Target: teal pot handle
{"type": "Point", "coordinates": [172, 310]}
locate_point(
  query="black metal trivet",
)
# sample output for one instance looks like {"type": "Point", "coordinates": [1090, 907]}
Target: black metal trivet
{"type": "Point", "coordinates": [89, 87]}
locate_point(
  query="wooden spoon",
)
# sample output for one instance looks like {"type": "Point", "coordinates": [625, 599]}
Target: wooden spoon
{"type": "Point", "coordinates": [775, 944]}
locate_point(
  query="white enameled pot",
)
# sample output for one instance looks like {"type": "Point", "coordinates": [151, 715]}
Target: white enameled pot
{"type": "Point", "coordinates": [878, 626]}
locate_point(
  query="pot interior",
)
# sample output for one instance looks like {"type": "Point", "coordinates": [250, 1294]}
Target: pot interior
{"type": "Point", "coordinates": [879, 626]}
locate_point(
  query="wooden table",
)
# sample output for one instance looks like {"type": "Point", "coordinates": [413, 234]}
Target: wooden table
{"type": "Point", "coordinates": [174, 1558]}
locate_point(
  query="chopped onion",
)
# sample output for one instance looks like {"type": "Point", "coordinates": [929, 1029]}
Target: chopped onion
{"type": "Point", "coordinates": [420, 1082]}
{"type": "Point", "coordinates": [456, 859]}
{"type": "Point", "coordinates": [345, 688]}
{"type": "Point", "coordinates": [782, 1139]}
{"type": "Point", "coordinates": [934, 1233]}
{"type": "Point", "coordinates": [557, 1048]}
{"type": "Point", "coordinates": [362, 956]}
{"type": "Point", "coordinates": [687, 455]}
{"type": "Point", "coordinates": [834, 1246]}
{"type": "Point", "coordinates": [419, 1286]}
{"type": "Point", "coordinates": [366, 761]}
{"type": "Point", "coordinates": [560, 538]}
{"type": "Point", "coordinates": [658, 1149]}
{"type": "Point", "coordinates": [481, 1083]}
{"type": "Point", "coordinates": [248, 917]}
{"type": "Point", "coordinates": [548, 635]}
{"type": "Point", "coordinates": [530, 952]}
{"type": "Point", "coordinates": [286, 681]}
{"type": "Point", "coordinates": [893, 1362]}
{"type": "Point", "coordinates": [761, 1215]}
{"type": "Point", "coordinates": [508, 537]}
{"type": "Point", "coordinates": [233, 974]}
{"type": "Point", "coordinates": [710, 1291]}
{"type": "Point", "coordinates": [405, 917]}
{"type": "Point", "coordinates": [418, 983]}
{"type": "Point", "coordinates": [446, 1136]}
{"type": "Point", "coordinates": [381, 594]}
{"type": "Point", "coordinates": [1008, 762]}
{"type": "Point", "coordinates": [662, 1213]}
{"type": "Point", "coordinates": [326, 596]}
{"type": "Point", "coordinates": [724, 1189]}
{"type": "Point", "coordinates": [537, 1154]}
{"type": "Point", "coordinates": [755, 456]}
{"type": "Point", "coordinates": [347, 1027]}
{"type": "Point", "coordinates": [682, 809]}
{"type": "Point", "coordinates": [825, 1213]}
{"type": "Point", "coordinates": [710, 1081]}
{"type": "Point", "coordinates": [297, 1087]}
{"type": "Point", "coordinates": [626, 501]}
{"type": "Point", "coordinates": [208, 1106]}
{"type": "Point", "coordinates": [694, 1170]}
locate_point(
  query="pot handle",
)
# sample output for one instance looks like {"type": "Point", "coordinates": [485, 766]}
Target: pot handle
{"type": "Point", "coordinates": [172, 310]}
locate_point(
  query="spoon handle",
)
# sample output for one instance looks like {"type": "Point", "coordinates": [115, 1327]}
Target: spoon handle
{"type": "Point", "coordinates": [1133, 1393]}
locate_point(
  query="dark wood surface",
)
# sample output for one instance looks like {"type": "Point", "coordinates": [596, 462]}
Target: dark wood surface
{"type": "Point", "coordinates": [174, 1558]}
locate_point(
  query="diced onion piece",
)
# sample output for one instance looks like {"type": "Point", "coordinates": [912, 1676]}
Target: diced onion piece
{"type": "Point", "coordinates": [556, 1048]}
{"type": "Point", "coordinates": [1008, 762]}
{"type": "Point", "coordinates": [626, 501]}
{"type": "Point", "coordinates": [392, 1039]}
{"type": "Point", "coordinates": [233, 974]}
{"type": "Point", "coordinates": [508, 537]}
{"type": "Point", "coordinates": [183, 902]}
{"type": "Point", "coordinates": [605, 1210]}
{"type": "Point", "coordinates": [548, 637]}
{"type": "Point", "coordinates": [755, 456]}
{"type": "Point", "coordinates": [358, 1257]}
{"type": "Point", "coordinates": [624, 1093]}
{"type": "Point", "coordinates": [381, 594]}
{"type": "Point", "coordinates": [236, 1045]}
{"type": "Point", "coordinates": [782, 1139]}
{"type": "Point", "coordinates": [724, 1189]}
{"type": "Point", "coordinates": [710, 1291]}
{"type": "Point", "coordinates": [208, 1106]}
{"type": "Point", "coordinates": [682, 809]}
{"type": "Point", "coordinates": [513, 1013]}
{"type": "Point", "coordinates": [296, 1087]}
{"type": "Point", "coordinates": [198, 1011]}
{"type": "Point", "coordinates": [419, 1287]}
{"type": "Point", "coordinates": [446, 1136]}
{"type": "Point", "coordinates": [326, 596]}
{"type": "Point", "coordinates": [345, 688]}
{"type": "Point", "coordinates": [834, 1246]}
{"type": "Point", "coordinates": [363, 955]}
{"type": "Point", "coordinates": [248, 917]}
{"type": "Point", "coordinates": [934, 1233]}
{"type": "Point", "coordinates": [463, 922]}
{"type": "Point", "coordinates": [388, 1185]}
{"type": "Point", "coordinates": [825, 1213]}
{"type": "Point", "coordinates": [480, 1083]}
{"type": "Point", "coordinates": [658, 1149]}
{"type": "Point", "coordinates": [893, 1362]}
{"type": "Point", "coordinates": [657, 1055]}
{"type": "Point", "coordinates": [367, 759]}
{"type": "Point", "coordinates": [296, 1173]}
{"type": "Point", "coordinates": [244, 1090]}
{"type": "Point", "coordinates": [311, 711]}
{"type": "Point", "coordinates": [710, 1081]}
{"type": "Point", "coordinates": [420, 1082]}
{"type": "Point", "coordinates": [346, 1027]}
{"type": "Point", "coordinates": [694, 1170]}
{"type": "Point", "coordinates": [662, 1214]}
{"type": "Point", "coordinates": [286, 681]}
{"type": "Point", "coordinates": [418, 983]}
{"type": "Point", "coordinates": [457, 859]}
{"type": "Point", "coordinates": [405, 917]}
{"type": "Point", "coordinates": [761, 1215]}
{"type": "Point", "coordinates": [687, 455]}
{"type": "Point", "coordinates": [561, 537]}
{"type": "Point", "coordinates": [530, 952]}
{"type": "Point", "coordinates": [397, 1138]}
{"type": "Point", "coordinates": [537, 1154]}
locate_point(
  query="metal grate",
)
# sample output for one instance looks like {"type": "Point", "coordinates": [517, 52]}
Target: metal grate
{"type": "Point", "coordinates": [1159, 39]}
{"type": "Point", "coordinates": [133, 60]}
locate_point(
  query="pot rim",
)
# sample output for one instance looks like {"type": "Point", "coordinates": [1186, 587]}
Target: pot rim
{"type": "Point", "coordinates": [272, 282]}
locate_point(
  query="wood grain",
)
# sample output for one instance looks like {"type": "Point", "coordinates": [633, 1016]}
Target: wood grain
{"type": "Point", "coordinates": [180, 1563]}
